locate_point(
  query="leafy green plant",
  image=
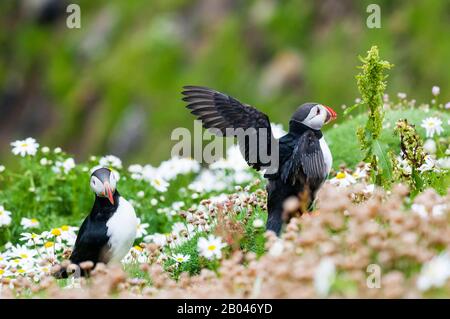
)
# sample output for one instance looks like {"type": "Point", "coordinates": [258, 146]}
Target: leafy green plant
{"type": "Point", "coordinates": [414, 165]}
{"type": "Point", "coordinates": [371, 83]}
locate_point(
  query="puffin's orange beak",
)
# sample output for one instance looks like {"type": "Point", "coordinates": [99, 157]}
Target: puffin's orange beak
{"type": "Point", "coordinates": [332, 113]}
{"type": "Point", "coordinates": [108, 192]}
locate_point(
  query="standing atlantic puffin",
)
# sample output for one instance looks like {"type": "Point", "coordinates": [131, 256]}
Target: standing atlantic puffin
{"type": "Point", "coordinates": [303, 159]}
{"type": "Point", "coordinates": [109, 231]}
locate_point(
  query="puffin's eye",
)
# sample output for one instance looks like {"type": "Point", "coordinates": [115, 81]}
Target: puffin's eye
{"type": "Point", "coordinates": [318, 111]}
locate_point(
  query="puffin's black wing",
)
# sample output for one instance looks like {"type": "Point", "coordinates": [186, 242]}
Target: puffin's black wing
{"type": "Point", "coordinates": [305, 162]}
{"type": "Point", "coordinates": [91, 242]}
{"type": "Point", "coordinates": [221, 112]}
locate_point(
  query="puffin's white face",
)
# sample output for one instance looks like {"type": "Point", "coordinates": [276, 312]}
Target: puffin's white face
{"type": "Point", "coordinates": [103, 183]}
{"type": "Point", "coordinates": [317, 117]}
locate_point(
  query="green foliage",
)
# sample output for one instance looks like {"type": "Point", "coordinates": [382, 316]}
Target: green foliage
{"type": "Point", "coordinates": [345, 148]}
{"type": "Point", "coordinates": [134, 56]}
{"type": "Point", "coordinates": [412, 151]}
{"type": "Point", "coordinates": [371, 85]}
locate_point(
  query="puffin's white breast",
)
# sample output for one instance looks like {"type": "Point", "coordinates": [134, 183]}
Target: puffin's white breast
{"type": "Point", "coordinates": [326, 154]}
{"type": "Point", "coordinates": [121, 230]}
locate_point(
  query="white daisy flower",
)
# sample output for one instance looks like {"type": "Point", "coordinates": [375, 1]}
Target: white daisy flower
{"type": "Point", "coordinates": [3, 259]}
{"type": "Point", "coordinates": [175, 166]}
{"type": "Point", "coordinates": [44, 161]}
{"type": "Point", "coordinates": [65, 166]}
{"type": "Point", "coordinates": [233, 161]}
{"type": "Point", "coordinates": [361, 172]}
{"type": "Point", "coordinates": [50, 247]}
{"type": "Point", "coordinates": [136, 171]}
{"type": "Point", "coordinates": [209, 180]}
{"type": "Point", "coordinates": [429, 165]}
{"type": "Point", "coordinates": [5, 217]}
{"type": "Point", "coordinates": [24, 253]}
{"type": "Point", "coordinates": [135, 168]}
{"type": "Point", "coordinates": [141, 229]}
{"type": "Point", "coordinates": [430, 146]}
{"type": "Point", "coordinates": [111, 161]}
{"type": "Point", "coordinates": [343, 179]}
{"type": "Point", "coordinates": [180, 258]}
{"type": "Point", "coordinates": [136, 254]}
{"type": "Point", "coordinates": [210, 247]}
{"type": "Point", "coordinates": [31, 239]}
{"type": "Point", "coordinates": [2, 168]}
{"type": "Point", "coordinates": [432, 125]}
{"type": "Point", "coordinates": [159, 239]}
{"type": "Point", "coordinates": [25, 147]}
{"type": "Point", "coordinates": [29, 223]}
{"type": "Point", "coordinates": [159, 184]}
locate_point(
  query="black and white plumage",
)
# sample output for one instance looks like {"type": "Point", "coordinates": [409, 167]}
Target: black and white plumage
{"type": "Point", "coordinates": [109, 231]}
{"type": "Point", "coordinates": [303, 159]}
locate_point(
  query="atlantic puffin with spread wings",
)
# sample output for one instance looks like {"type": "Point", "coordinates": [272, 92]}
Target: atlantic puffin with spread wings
{"type": "Point", "coordinates": [108, 232]}
{"type": "Point", "coordinates": [303, 159]}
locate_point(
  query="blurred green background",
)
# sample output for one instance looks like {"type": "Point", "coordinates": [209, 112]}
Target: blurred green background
{"type": "Point", "coordinates": [113, 86]}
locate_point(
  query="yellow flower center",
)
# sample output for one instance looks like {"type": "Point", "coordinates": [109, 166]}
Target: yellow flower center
{"type": "Point", "coordinates": [34, 220]}
{"type": "Point", "coordinates": [340, 175]}
{"type": "Point", "coordinates": [20, 271]}
{"type": "Point", "coordinates": [180, 259]}
{"type": "Point", "coordinates": [16, 261]}
{"type": "Point", "coordinates": [23, 256]}
{"type": "Point", "coordinates": [157, 182]}
{"type": "Point", "coordinates": [2, 271]}
{"type": "Point", "coordinates": [49, 244]}
{"type": "Point", "coordinates": [212, 247]}
{"type": "Point", "coordinates": [139, 248]}
{"type": "Point", "coordinates": [24, 145]}
{"type": "Point", "coordinates": [65, 228]}
{"type": "Point", "coordinates": [56, 232]}
{"type": "Point", "coordinates": [34, 235]}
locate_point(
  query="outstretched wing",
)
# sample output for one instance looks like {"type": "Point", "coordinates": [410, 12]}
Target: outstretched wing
{"type": "Point", "coordinates": [306, 163]}
{"type": "Point", "coordinates": [225, 115]}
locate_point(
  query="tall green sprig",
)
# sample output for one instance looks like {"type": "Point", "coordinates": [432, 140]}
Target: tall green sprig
{"type": "Point", "coordinates": [371, 82]}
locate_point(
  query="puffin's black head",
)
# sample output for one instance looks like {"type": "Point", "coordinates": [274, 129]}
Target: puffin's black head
{"type": "Point", "coordinates": [103, 183]}
{"type": "Point", "coordinates": [314, 115]}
